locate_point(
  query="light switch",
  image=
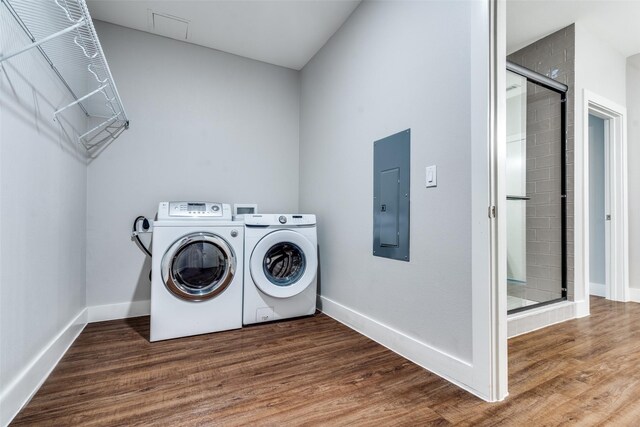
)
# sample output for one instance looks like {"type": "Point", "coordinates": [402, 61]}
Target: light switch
{"type": "Point", "coordinates": [431, 176]}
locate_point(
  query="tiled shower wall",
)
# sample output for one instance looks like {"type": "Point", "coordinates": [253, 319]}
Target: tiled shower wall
{"type": "Point", "coordinates": [554, 57]}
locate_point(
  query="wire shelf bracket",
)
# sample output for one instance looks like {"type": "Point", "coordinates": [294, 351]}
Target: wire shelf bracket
{"type": "Point", "coordinates": [63, 32]}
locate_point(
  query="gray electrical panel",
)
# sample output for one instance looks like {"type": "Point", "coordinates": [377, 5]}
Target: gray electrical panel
{"type": "Point", "coordinates": [391, 172]}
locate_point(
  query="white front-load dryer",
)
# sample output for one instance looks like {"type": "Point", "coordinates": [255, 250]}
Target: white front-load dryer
{"type": "Point", "coordinates": [281, 263]}
{"type": "Point", "coordinates": [197, 268]}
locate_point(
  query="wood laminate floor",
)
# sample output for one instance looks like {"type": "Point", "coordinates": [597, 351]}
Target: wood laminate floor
{"type": "Point", "coordinates": [315, 371]}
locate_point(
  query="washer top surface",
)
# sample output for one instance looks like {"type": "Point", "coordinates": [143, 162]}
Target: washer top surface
{"type": "Point", "coordinates": [194, 211]}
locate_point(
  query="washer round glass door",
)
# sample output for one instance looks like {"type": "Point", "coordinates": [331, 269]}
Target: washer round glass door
{"type": "Point", "coordinates": [283, 263]}
{"type": "Point", "coordinates": [198, 267]}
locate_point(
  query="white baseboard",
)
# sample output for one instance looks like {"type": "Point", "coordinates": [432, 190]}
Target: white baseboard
{"type": "Point", "coordinates": [634, 294]}
{"type": "Point", "coordinates": [17, 394]}
{"type": "Point", "coordinates": [100, 313]}
{"type": "Point", "coordinates": [598, 289]}
{"type": "Point", "coordinates": [440, 363]}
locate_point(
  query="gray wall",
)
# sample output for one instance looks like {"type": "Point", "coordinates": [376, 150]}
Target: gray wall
{"type": "Point", "coordinates": [393, 66]}
{"type": "Point", "coordinates": [633, 156]}
{"type": "Point", "coordinates": [205, 125]}
{"type": "Point", "coordinates": [597, 271]}
{"type": "Point", "coordinates": [553, 56]}
{"type": "Point", "coordinates": [601, 70]}
{"type": "Point", "coordinates": [42, 210]}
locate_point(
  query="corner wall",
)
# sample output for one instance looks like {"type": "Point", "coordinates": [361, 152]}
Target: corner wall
{"type": "Point", "coordinates": [393, 66]}
{"type": "Point", "coordinates": [205, 125]}
{"type": "Point", "coordinates": [42, 222]}
{"type": "Point", "coordinates": [633, 156]}
{"type": "Point", "coordinates": [600, 69]}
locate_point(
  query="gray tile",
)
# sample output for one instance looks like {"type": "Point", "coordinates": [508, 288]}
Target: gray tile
{"type": "Point", "coordinates": [516, 290]}
{"type": "Point", "coordinates": [538, 175]}
{"type": "Point", "coordinates": [538, 295]}
{"type": "Point", "coordinates": [549, 260]}
{"type": "Point", "coordinates": [550, 285]}
{"type": "Point", "coordinates": [539, 199]}
{"type": "Point", "coordinates": [554, 273]}
{"type": "Point", "coordinates": [538, 247]}
{"type": "Point", "coordinates": [547, 136]}
{"type": "Point", "coordinates": [531, 235]}
{"type": "Point", "coordinates": [547, 161]}
{"type": "Point", "coordinates": [551, 210]}
{"type": "Point", "coordinates": [555, 223]}
{"type": "Point", "coordinates": [547, 186]}
{"type": "Point", "coordinates": [537, 223]}
{"type": "Point", "coordinates": [540, 150]}
{"type": "Point", "coordinates": [555, 248]}
{"type": "Point", "coordinates": [550, 235]}
{"type": "Point", "coordinates": [538, 271]}
{"type": "Point", "coordinates": [531, 187]}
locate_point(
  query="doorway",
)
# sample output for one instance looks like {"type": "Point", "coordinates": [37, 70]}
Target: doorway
{"type": "Point", "coordinates": [605, 238]}
{"type": "Point", "coordinates": [599, 218]}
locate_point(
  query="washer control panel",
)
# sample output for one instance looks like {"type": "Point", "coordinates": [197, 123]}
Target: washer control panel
{"type": "Point", "coordinates": [288, 220]}
{"type": "Point", "coordinates": [202, 210]}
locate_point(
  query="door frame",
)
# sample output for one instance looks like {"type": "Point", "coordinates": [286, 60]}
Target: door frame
{"type": "Point", "coordinates": [616, 192]}
{"type": "Point", "coordinates": [497, 303]}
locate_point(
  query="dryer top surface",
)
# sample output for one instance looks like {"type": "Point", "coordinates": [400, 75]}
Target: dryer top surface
{"type": "Point", "coordinates": [288, 220]}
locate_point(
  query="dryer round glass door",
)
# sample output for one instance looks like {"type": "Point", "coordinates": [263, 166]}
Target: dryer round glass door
{"type": "Point", "coordinates": [198, 267]}
{"type": "Point", "coordinates": [283, 263]}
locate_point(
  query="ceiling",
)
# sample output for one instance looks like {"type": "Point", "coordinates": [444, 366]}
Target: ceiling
{"type": "Point", "coordinates": [616, 22]}
{"type": "Point", "coordinates": [285, 32]}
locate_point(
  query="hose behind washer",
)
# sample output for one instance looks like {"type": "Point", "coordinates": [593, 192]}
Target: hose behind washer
{"type": "Point", "coordinates": [145, 225]}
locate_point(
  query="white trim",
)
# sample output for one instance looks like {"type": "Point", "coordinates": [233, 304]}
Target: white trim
{"type": "Point", "coordinates": [491, 304]}
{"type": "Point", "coordinates": [607, 205]}
{"type": "Point", "coordinates": [100, 313]}
{"type": "Point", "coordinates": [598, 289]}
{"type": "Point", "coordinates": [619, 245]}
{"type": "Point", "coordinates": [634, 294]}
{"type": "Point", "coordinates": [454, 370]}
{"type": "Point", "coordinates": [582, 308]}
{"type": "Point", "coordinates": [17, 394]}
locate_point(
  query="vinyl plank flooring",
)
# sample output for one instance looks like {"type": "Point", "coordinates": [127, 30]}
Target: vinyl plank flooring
{"type": "Point", "coordinates": [317, 372]}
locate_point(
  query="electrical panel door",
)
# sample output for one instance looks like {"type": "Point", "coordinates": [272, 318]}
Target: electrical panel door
{"type": "Point", "coordinates": [391, 171]}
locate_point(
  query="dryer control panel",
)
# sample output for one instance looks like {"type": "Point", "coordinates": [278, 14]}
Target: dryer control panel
{"type": "Point", "coordinates": [286, 220]}
{"type": "Point", "coordinates": [186, 210]}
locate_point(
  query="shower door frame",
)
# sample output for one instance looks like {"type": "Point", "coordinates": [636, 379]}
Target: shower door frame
{"type": "Point", "coordinates": [561, 89]}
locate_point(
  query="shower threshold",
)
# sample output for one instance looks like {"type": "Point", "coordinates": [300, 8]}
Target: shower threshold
{"type": "Point", "coordinates": [540, 316]}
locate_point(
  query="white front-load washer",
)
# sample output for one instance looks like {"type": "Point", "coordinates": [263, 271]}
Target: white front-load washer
{"type": "Point", "coordinates": [197, 268]}
{"type": "Point", "coordinates": [281, 263]}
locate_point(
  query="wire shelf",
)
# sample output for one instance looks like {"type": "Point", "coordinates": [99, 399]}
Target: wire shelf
{"type": "Point", "coordinates": [63, 32]}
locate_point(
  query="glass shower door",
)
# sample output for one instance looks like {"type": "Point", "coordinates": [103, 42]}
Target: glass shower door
{"type": "Point", "coordinates": [516, 168]}
{"type": "Point", "coordinates": [536, 246]}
